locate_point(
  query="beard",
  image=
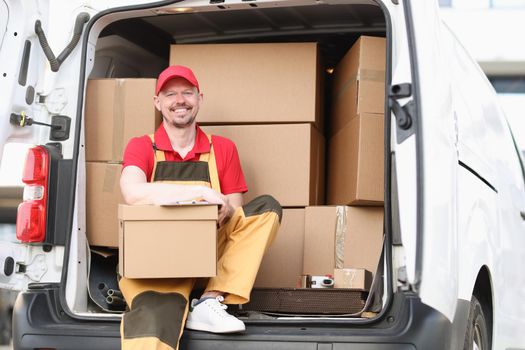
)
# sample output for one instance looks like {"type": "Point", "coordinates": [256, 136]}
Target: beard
{"type": "Point", "coordinates": [179, 125]}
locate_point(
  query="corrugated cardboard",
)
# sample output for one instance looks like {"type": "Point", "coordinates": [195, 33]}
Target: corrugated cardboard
{"type": "Point", "coordinates": [116, 111]}
{"type": "Point", "coordinates": [342, 237]}
{"type": "Point", "coordinates": [167, 242]}
{"type": "Point", "coordinates": [282, 264]}
{"type": "Point", "coordinates": [283, 160]}
{"type": "Point", "coordinates": [352, 279]}
{"type": "Point", "coordinates": [356, 162]}
{"type": "Point", "coordinates": [102, 199]}
{"type": "Point", "coordinates": [255, 83]}
{"type": "Point", "coordinates": [359, 82]}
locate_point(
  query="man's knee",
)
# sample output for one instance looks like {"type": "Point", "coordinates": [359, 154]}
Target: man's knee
{"type": "Point", "coordinates": [263, 204]}
{"type": "Point", "coordinates": [155, 314]}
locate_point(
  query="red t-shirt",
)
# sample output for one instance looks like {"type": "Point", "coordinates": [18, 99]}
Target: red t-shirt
{"type": "Point", "coordinates": [139, 152]}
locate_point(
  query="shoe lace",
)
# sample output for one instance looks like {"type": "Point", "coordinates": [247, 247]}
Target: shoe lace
{"type": "Point", "coordinates": [219, 303]}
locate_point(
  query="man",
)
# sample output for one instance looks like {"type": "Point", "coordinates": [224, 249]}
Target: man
{"type": "Point", "coordinates": [180, 163]}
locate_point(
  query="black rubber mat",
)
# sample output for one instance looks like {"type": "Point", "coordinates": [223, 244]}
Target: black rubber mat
{"type": "Point", "coordinates": [307, 301]}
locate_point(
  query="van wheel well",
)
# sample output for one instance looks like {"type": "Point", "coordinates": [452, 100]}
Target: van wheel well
{"type": "Point", "coordinates": [483, 292]}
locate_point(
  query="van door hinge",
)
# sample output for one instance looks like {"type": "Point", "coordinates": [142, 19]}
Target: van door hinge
{"type": "Point", "coordinates": [402, 278]}
{"type": "Point", "coordinates": [405, 115]}
{"type": "Point", "coordinates": [35, 270]}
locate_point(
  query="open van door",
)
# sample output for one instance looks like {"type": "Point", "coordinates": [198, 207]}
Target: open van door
{"type": "Point", "coordinates": [13, 255]}
{"type": "Point", "coordinates": [33, 111]}
{"type": "Point", "coordinates": [426, 163]}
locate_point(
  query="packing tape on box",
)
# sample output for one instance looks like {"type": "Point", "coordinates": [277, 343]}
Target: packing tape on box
{"type": "Point", "coordinates": [340, 233]}
{"type": "Point", "coordinates": [110, 177]}
{"type": "Point", "coordinates": [362, 74]}
{"type": "Point", "coordinates": [118, 120]}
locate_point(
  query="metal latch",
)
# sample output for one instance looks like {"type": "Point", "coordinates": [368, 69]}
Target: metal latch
{"type": "Point", "coordinates": [405, 115]}
{"type": "Point", "coordinates": [34, 270]}
{"type": "Point", "coordinates": [60, 124]}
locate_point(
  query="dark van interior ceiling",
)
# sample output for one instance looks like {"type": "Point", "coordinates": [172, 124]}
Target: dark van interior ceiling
{"type": "Point", "coordinates": [334, 27]}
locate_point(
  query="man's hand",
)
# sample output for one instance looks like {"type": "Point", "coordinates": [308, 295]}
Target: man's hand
{"type": "Point", "coordinates": [226, 210]}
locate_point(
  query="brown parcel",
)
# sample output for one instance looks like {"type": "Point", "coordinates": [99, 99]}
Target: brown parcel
{"type": "Point", "coordinates": [282, 265]}
{"type": "Point", "coordinates": [352, 279]}
{"type": "Point", "coordinates": [116, 111]}
{"type": "Point", "coordinates": [355, 163]}
{"type": "Point", "coordinates": [255, 83]}
{"type": "Point", "coordinates": [102, 199]}
{"type": "Point", "coordinates": [342, 237]}
{"type": "Point", "coordinates": [283, 160]}
{"type": "Point", "coordinates": [167, 242]}
{"type": "Point", "coordinates": [359, 82]}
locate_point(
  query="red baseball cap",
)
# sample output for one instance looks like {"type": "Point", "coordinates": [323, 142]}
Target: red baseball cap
{"type": "Point", "coordinates": [173, 72]}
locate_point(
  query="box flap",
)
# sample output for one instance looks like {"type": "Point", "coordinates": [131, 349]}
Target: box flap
{"type": "Point", "coordinates": [173, 212]}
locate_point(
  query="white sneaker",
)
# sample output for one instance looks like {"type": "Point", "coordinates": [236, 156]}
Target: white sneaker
{"type": "Point", "coordinates": [210, 316]}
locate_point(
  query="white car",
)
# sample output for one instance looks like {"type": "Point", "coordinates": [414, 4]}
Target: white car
{"type": "Point", "coordinates": [454, 198]}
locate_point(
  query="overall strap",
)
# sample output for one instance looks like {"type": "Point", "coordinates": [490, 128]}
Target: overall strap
{"type": "Point", "coordinates": [158, 156]}
{"type": "Point", "coordinates": [212, 166]}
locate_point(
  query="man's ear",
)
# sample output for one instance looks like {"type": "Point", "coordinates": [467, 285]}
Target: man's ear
{"type": "Point", "coordinates": [156, 102]}
{"type": "Point", "coordinates": [201, 96]}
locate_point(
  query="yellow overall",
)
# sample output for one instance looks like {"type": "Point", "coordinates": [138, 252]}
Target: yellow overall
{"type": "Point", "coordinates": [159, 307]}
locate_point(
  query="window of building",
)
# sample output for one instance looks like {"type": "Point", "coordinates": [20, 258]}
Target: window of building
{"type": "Point", "coordinates": [508, 84]}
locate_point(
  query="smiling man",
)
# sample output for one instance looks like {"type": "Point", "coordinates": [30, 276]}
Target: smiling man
{"type": "Point", "coordinates": [180, 163]}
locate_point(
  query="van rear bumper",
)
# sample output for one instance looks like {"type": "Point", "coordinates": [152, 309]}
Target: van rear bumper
{"type": "Point", "coordinates": [39, 322]}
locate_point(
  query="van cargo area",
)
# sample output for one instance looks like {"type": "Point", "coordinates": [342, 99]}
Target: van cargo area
{"type": "Point", "coordinates": [300, 90]}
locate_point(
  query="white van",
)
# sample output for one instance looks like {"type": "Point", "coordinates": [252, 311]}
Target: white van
{"type": "Point", "coordinates": [451, 272]}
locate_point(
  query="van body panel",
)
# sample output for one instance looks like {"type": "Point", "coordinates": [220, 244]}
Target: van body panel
{"type": "Point", "coordinates": [491, 195]}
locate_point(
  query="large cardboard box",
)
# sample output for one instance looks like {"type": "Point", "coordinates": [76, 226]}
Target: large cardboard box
{"type": "Point", "coordinates": [339, 237]}
{"type": "Point", "coordinates": [282, 264]}
{"type": "Point", "coordinates": [359, 82]}
{"type": "Point", "coordinates": [255, 83]}
{"type": "Point", "coordinates": [167, 242]}
{"type": "Point", "coordinates": [116, 111]}
{"type": "Point", "coordinates": [102, 198]}
{"type": "Point", "coordinates": [356, 163]}
{"type": "Point", "coordinates": [283, 160]}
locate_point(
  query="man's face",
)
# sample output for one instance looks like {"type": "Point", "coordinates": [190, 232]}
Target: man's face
{"type": "Point", "coordinates": [178, 101]}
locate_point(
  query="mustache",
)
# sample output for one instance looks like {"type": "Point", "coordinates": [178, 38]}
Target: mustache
{"type": "Point", "coordinates": [180, 106]}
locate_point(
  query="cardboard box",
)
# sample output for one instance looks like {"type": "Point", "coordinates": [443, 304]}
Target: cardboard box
{"type": "Point", "coordinates": [359, 82]}
{"type": "Point", "coordinates": [283, 160]}
{"type": "Point", "coordinates": [102, 198]}
{"type": "Point", "coordinates": [352, 278]}
{"type": "Point", "coordinates": [356, 163]}
{"type": "Point", "coordinates": [282, 264]}
{"type": "Point", "coordinates": [255, 83]}
{"type": "Point", "coordinates": [167, 242]}
{"type": "Point", "coordinates": [342, 237]}
{"type": "Point", "coordinates": [116, 111]}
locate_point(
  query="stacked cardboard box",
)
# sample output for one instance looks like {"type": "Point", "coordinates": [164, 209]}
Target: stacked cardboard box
{"type": "Point", "coordinates": [116, 111]}
{"type": "Point", "coordinates": [355, 151]}
{"type": "Point", "coordinates": [284, 160]}
{"type": "Point", "coordinates": [255, 83]}
{"type": "Point", "coordinates": [282, 265]}
{"type": "Point", "coordinates": [342, 237]}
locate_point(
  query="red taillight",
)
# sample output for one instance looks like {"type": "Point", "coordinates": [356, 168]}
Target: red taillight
{"type": "Point", "coordinates": [31, 218]}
